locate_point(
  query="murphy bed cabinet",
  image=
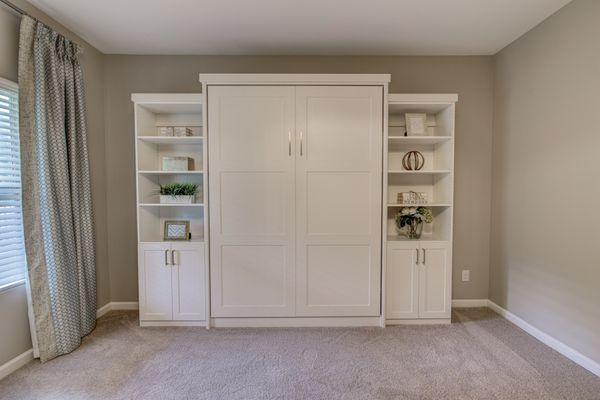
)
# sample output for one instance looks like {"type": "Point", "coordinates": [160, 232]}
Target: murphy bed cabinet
{"type": "Point", "coordinates": [294, 172]}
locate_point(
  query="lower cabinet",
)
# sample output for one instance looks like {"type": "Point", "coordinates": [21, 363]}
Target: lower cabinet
{"type": "Point", "coordinates": [419, 280]}
{"type": "Point", "coordinates": [172, 281]}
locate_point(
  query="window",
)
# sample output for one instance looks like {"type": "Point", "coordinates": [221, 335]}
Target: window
{"type": "Point", "coordinates": [12, 248]}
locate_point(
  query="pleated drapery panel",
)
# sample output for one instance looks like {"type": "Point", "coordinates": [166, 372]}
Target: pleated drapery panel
{"type": "Point", "coordinates": [57, 205]}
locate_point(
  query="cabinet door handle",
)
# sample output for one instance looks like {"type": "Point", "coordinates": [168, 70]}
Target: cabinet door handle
{"type": "Point", "coordinates": [173, 257]}
{"type": "Point", "coordinates": [166, 257]}
{"type": "Point", "coordinates": [417, 250]}
{"type": "Point", "coordinates": [290, 143]}
{"type": "Point", "coordinates": [423, 256]}
{"type": "Point", "coordinates": [300, 142]}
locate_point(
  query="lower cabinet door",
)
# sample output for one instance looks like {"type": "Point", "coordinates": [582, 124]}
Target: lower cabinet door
{"type": "Point", "coordinates": [402, 283]}
{"type": "Point", "coordinates": [155, 282]}
{"type": "Point", "coordinates": [435, 280]}
{"type": "Point", "coordinates": [188, 281]}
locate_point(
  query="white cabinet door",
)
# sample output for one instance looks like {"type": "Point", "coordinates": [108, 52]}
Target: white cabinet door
{"type": "Point", "coordinates": [435, 280]}
{"type": "Point", "coordinates": [188, 274]}
{"type": "Point", "coordinates": [338, 197]}
{"type": "Point", "coordinates": [402, 283]}
{"type": "Point", "coordinates": [155, 282]}
{"type": "Point", "coordinates": [251, 162]}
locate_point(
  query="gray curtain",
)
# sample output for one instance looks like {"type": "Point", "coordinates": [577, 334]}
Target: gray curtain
{"type": "Point", "coordinates": [57, 206]}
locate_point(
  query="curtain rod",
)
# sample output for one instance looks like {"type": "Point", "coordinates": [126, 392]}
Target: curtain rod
{"type": "Point", "coordinates": [13, 7]}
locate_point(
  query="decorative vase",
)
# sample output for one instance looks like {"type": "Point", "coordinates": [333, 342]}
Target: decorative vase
{"type": "Point", "coordinates": [412, 230]}
{"type": "Point", "coordinates": [168, 199]}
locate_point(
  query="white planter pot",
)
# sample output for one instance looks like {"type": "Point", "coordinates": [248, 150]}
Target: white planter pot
{"type": "Point", "coordinates": [168, 199]}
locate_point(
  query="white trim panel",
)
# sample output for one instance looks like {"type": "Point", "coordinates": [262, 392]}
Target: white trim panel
{"type": "Point", "coordinates": [12, 365]}
{"type": "Point", "coordinates": [295, 79]}
{"type": "Point", "coordinates": [422, 321]}
{"type": "Point", "coordinates": [9, 84]}
{"type": "Point", "coordinates": [295, 322]}
{"type": "Point", "coordinates": [172, 323]}
{"type": "Point", "coordinates": [548, 340]}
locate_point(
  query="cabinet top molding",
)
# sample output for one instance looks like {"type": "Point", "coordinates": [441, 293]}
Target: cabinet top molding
{"type": "Point", "coordinates": [424, 98]}
{"type": "Point", "coordinates": [296, 79]}
{"type": "Point", "coordinates": [180, 98]}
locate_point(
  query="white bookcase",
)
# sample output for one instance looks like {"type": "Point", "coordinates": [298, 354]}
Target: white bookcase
{"type": "Point", "coordinates": [172, 274]}
{"type": "Point", "coordinates": [418, 273]}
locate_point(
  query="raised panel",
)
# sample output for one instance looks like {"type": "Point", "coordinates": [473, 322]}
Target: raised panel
{"type": "Point", "coordinates": [338, 203]}
{"type": "Point", "coordinates": [435, 283]}
{"type": "Point", "coordinates": [255, 279]}
{"type": "Point", "coordinates": [338, 198]}
{"type": "Point", "coordinates": [155, 283]}
{"type": "Point", "coordinates": [338, 127]}
{"type": "Point", "coordinates": [253, 203]}
{"type": "Point", "coordinates": [188, 282]}
{"type": "Point", "coordinates": [254, 134]}
{"type": "Point", "coordinates": [402, 282]}
{"type": "Point", "coordinates": [251, 163]}
{"type": "Point", "coordinates": [338, 276]}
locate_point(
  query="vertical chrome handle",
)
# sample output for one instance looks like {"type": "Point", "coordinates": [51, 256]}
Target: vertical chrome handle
{"type": "Point", "coordinates": [166, 257]}
{"type": "Point", "coordinates": [417, 250]}
{"type": "Point", "coordinates": [423, 256]}
{"type": "Point", "coordinates": [300, 142]}
{"type": "Point", "coordinates": [290, 143]}
{"type": "Point", "coordinates": [172, 257]}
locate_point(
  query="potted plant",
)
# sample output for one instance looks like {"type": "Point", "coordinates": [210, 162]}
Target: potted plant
{"type": "Point", "coordinates": [409, 221]}
{"type": "Point", "coordinates": [178, 193]}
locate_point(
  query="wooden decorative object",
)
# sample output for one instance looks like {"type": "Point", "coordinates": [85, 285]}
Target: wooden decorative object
{"type": "Point", "coordinates": [412, 197]}
{"type": "Point", "coordinates": [413, 161]}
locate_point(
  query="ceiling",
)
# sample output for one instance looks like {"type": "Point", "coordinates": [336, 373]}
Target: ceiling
{"type": "Point", "coordinates": [300, 27]}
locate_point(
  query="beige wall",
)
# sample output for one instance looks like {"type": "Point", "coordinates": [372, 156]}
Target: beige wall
{"type": "Point", "coordinates": [545, 257]}
{"type": "Point", "coordinates": [470, 77]}
{"type": "Point", "coordinates": [15, 326]}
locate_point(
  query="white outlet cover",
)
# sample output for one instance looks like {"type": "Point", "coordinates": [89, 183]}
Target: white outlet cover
{"type": "Point", "coordinates": [466, 275]}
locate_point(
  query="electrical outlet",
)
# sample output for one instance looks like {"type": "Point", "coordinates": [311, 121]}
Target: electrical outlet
{"type": "Point", "coordinates": [466, 275]}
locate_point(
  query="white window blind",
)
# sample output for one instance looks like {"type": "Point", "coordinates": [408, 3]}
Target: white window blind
{"type": "Point", "coordinates": [12, 248]}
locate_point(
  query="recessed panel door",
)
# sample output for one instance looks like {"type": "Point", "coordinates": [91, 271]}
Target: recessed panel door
{"type": "Point", "coordinates": [188, 273]}
{"type": "Point", "coordinates": [435, 280]}
{"type": "Point", "coordinates": [155, 282]}
{"type": "Point", "coordinates": [402, 291]}
{"type": "Point", "coordinates": [251, 164]}
{"type": "Point", "coordinates": [338, 197]}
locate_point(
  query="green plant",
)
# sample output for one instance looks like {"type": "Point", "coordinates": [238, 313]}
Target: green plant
{"type": "Point", "coordinates": [179, 189]}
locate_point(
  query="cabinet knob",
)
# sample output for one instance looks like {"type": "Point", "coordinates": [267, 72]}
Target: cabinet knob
{"type": "Point", "coordinates": [172, 257]}
{"type": "Point", "coordinates": [423, 256]}
{"type": "Point", "coordinates": [166, 257]}
{"type": "Point", "coordinates": [417, 250]}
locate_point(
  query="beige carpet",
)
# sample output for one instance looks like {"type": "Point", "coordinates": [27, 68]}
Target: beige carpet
{"type": "Point", "coordinates": [479, 356]}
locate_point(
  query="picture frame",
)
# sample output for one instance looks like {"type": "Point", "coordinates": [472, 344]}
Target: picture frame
{"type": "Point", "coordinates": [176, 230]}
{"type": "Point", "coordinates": [416, 124]}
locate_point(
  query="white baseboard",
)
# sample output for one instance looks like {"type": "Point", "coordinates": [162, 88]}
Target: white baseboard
{"type": "Point", "coordinates": [16, 363]}
{"type": "Point", "coordinates": [548, 340]}
{"type": "Point", "coordinates": [469, 303]}
{"type": "Point", "coordinates": [117, 305]}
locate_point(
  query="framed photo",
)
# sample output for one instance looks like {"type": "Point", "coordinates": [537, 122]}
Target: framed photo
{"type": "Point", "coordinates": [177, 230]}
{"type": "Point", "coordinates": [416, 124]}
